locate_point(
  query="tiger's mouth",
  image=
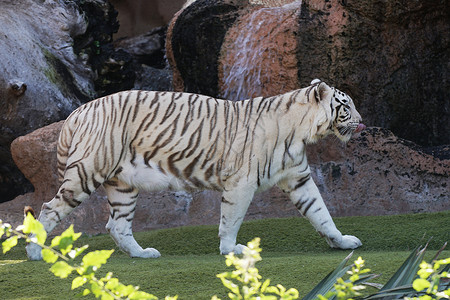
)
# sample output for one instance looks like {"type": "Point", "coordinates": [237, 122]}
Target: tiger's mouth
{"type": "Point", "coordinates": [350, 129]}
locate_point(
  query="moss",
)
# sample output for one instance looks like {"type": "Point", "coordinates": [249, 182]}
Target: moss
{"type": "Point", "coordinates": [58, 74]}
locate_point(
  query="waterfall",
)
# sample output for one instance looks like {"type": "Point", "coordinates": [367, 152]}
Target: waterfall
{"type": "Point", "coordinates": [257, 52]}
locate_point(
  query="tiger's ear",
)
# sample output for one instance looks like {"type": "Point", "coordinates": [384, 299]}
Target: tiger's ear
{"type": "Point", "coordinates": [322, 91]}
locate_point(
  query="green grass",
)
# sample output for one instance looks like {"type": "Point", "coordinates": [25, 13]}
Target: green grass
{"type": "Point", "coordinates": [293, 255]}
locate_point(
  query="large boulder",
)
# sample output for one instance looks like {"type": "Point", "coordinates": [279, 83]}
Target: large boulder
{"type": "Point", "coordinates": [379, 173]}
{"type": "Point", "coordinates": [376, 173]}
{"type": "Point", "coordinates": [391, 58]}
{"type": "Point", "coordinates": [41, 79]}
{"type": "Point", "coordinates": [54, 56]}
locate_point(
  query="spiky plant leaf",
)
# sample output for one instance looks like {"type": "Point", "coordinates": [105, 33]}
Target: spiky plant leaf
{"type": "Point", "coordinates": [327, 283]}
{"type": "Point", "coordinates": [394, 293]}
{"type": "Point", "coordinates": [407, 272]}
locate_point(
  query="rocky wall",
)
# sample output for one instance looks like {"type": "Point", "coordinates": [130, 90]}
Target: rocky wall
{"type": "Point", "coordinates": [390, 56]}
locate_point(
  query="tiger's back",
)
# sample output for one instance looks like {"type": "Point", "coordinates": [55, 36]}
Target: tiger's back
{"type": "Point", "coordinates": [157, 140]}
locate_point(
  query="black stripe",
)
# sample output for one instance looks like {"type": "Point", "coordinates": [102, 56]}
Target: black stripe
{"type": "Point", "coordinates": [171, 164]}
{"type": "Point", "coordinates": [125, 190]}
{"type": "Point", "coordinates": [226, 201]}
{"type": "Point", "coordinates": [209, 172]}
{"type": "Point", "coordinates": [121, 204]}
{"type": "Point", "coordinates": [169, 111]}
{"type": "Point", "coordinates": [190, 168]}
{"type": "Point", "coordinates": [302, 182]}
{"type": "Point", "coordinates": [311, 202]}
{"type": "Point", "coordinates": [136, 107]}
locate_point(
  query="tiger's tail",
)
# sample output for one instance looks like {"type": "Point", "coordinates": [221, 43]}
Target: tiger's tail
{"type": "Point", "coordinates": [29, 210]}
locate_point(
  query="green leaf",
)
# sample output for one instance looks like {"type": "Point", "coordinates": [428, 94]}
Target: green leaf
{"type": "Point", "coordinates": [327, 283]}
{"type": "Point", "coordinates": [9, 243]}
{"type": "Point", "coordinates": [31, 225]}
{"type": "Point", "coordinates": [78, 281]}
{"type": "Point", "coordinates": [265, 285]}
{"type": "Point", "coordinates": [83, 293]}
{"type": "Point", "coordinates": [106, 296]}
{"type": "Point", "coordinates": [61, 269]}
{"type": "Point", "coordinates": [97, 258]}
{"type": "Point", "coordinates": [406, 273]}
{"type": "Point", "coordinates": [2, 230]}
{"type": "Point", "coordinates": [49, 256]}
{"type": "Point", "coordinates": [112, 284]}
{"type": "Point", "coordinates": [28, 224]}
{"type": "Point", "coordinates": [77, 251]}
{"type": "Point", "coordinates": [293, 293]}
{"type": "Point", "coordinates": [125, 290]}
{"type": "Point", "coordinates": [420, 284]}
{"type": "Point", "coordinates": [144, 295]}
{"type": "Point", "coordinates": [65, 240]}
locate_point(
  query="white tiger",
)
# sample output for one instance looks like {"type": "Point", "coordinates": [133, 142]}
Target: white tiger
{"type": "Point", "coordinates": [153, 141]}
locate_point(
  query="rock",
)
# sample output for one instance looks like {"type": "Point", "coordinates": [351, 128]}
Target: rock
{"type": "Point", "coordinates": [148, 53]}
{"type": "Point", "coordinates": [153, 79]}
{"type": "Point", "coordinates": [199, 42]}
{"type": "Point", "coordinates": [376, 173]}
{"type": "Point", "coordinates": [147, 48]}
{"type": "Point", "coordinates": [42, 80]}
{"type": "Point", "coordinates": [114, 69]}
{"type": "Point", "coordinates": [35, 155]}
{"type": "Point", "coordinates": [276, 29]}
{"type": "Point", "coordinates": [54, 56]}
{"type": "Point", "coordinates": [136, 17]}
{"type": "Point", "coordinates": [390, 57]}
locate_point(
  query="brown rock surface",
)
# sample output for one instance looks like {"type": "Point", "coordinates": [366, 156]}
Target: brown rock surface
{"type": "Point", "coordinates": [276, 31]}
{"type": "Point", "coordinates": [378, 173]}
{"type": "Point", "coordinates": [374, 174]}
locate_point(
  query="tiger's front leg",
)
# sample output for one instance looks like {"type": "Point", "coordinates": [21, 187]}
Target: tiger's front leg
{"type": "Point", "coordinates": [307, 199]}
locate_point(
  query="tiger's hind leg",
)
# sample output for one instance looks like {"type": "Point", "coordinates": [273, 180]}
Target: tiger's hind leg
{"type": "Point", "coordinates": [71, 193]}
{"type": "Point", "coordinates": [122, 202]}
{"type": "Point", "coordinates": [233, 209]}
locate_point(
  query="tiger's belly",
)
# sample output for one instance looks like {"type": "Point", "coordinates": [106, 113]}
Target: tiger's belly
{"type": "Point", "coordinates": [149, 177]}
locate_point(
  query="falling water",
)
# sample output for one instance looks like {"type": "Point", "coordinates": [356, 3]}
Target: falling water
{"type": "Point", "coordinates": [258, 54]}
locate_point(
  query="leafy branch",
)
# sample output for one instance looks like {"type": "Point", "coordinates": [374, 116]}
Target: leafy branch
{"type": "Point", "coordinates": [61, 252]}
{"type": "Point", "coordinates": [244, 282]}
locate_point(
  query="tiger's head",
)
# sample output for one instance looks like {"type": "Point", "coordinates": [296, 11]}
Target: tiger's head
{"type": "Point", "coordinates": [345, 119]}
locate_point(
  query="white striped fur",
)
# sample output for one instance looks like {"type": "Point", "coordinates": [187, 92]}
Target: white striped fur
{"type": "Point", "coordinates": [145, 140]}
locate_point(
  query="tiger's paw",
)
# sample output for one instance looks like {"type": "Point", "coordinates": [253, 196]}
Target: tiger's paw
{"type": "Point", "coordinates": [147, 253]}
{"type": "Point", "coordinates": [34, 252]}
{"type": "Point", "coordinates": [346, 242]}
{"type": "Point", "coordinates": [237, 249]}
